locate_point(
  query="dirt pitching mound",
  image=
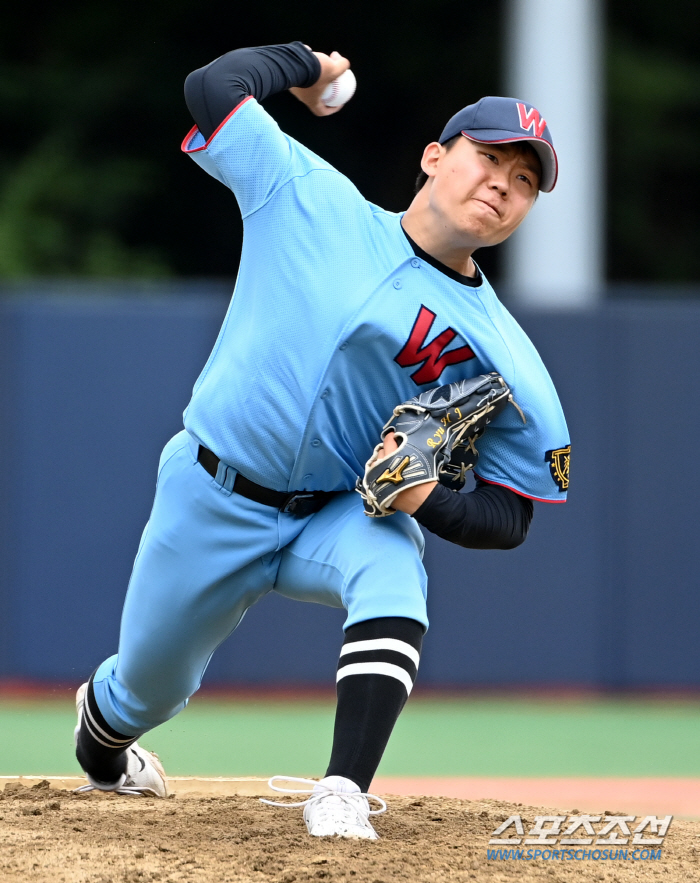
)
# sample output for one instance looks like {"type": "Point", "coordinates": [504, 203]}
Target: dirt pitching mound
{"type": "Point", "coordinates": [51, 835]}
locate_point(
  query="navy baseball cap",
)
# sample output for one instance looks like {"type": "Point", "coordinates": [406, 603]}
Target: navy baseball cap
{"type": "Point", "coordinates": [494, 120]}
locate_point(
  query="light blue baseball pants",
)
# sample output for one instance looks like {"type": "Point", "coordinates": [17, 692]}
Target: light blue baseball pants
{"type": "Point", "coordinates": [208, 554]}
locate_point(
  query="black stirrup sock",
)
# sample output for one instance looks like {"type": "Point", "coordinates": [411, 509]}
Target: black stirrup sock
{"type": "Point", "coordinates": [100, 749]}
{"type": "Point", "coordinates": [377, 668]}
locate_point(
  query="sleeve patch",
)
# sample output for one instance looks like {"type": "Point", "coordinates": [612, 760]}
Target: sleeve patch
{"type": "Point", "coordinates": [558, 460]}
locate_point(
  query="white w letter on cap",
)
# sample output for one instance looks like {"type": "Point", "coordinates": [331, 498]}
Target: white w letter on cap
{"type": "Point", "coordinates": [530, 119]}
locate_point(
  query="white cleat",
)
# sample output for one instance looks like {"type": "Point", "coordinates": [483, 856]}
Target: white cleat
{"type": "Point", "coordinates": [336, 807]}
{"type": "Point", "coordinates": [144, 776]}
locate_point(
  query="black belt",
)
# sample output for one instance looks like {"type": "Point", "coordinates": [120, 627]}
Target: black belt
{"type": "Point", "coordinates": [298, 503]}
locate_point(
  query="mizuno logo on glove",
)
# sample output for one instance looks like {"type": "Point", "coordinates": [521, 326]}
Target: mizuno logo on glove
{"type": "Point", "coordinates": [435, 432]}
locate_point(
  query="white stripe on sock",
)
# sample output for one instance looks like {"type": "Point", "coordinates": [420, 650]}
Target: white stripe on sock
{"type": "Point", "coordinates": [95, 728]}
{"type": "Point", "coordinates": [383, 644]}
{"type": "Point", "coordinates": [377, 668]}
{"type": "Point", "coordinates": [95, 736]}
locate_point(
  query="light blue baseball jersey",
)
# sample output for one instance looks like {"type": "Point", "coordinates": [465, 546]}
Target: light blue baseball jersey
{"type": "Point", "coordinates": [334, 320]}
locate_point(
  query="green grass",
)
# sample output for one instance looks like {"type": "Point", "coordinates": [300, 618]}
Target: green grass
{"type": "Point", "coordinates": [434, 737]}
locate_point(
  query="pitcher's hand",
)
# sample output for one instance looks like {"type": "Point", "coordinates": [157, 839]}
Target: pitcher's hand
{"type": "Point", "coordinates": [332, 66]}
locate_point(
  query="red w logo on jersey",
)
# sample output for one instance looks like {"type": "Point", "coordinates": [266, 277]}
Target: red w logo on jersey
{"type": "Point", "coordinates": [433, 359]}
{"type": "Point", "coordinates": [530, 119]}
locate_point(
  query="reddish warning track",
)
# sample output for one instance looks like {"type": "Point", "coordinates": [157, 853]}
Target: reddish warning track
{"type": "Point", "coordinates": [645, 796]}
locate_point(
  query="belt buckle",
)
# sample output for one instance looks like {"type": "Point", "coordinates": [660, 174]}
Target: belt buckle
{"type": "Point", "coordinates": [292, 507]}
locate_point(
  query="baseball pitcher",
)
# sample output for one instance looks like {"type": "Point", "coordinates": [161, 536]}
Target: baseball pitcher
{"type": "Point", "coordinates": [364, 366]}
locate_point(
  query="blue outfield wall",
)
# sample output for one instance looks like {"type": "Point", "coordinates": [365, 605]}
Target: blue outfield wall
{"type": "Point", "coordinates": [603, 593]}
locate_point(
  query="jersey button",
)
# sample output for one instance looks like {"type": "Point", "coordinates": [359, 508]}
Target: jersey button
{"type": "Point", "coordinates": [315, 442]}
{"type": "Point", "coordinates": [397, 283]}
{"type": "Point", "coordinates": [343, 346]}
{"type": "Point", "coordinates": [325, 393]}
{"type": "Point", "coordinates": [415, 263]}
{"type": "Point", "coordinates": [307, 477]}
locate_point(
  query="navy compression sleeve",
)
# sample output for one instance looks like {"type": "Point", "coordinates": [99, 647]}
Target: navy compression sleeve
{"type": "Point", "coordinates": [490, 517]}
{"type": "Point", "coordinates": [212, 92]}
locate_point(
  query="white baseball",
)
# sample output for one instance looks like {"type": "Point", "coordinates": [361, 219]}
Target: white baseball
{"type": "Point", "coordinates": [340, 90]}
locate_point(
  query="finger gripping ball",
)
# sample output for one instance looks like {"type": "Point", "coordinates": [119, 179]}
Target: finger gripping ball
{"type": "Point", "coordinates": [340, 90]}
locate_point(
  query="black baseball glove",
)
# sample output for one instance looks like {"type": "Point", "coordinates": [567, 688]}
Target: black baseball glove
{"type": "Point", "coordinates": [435, 432]}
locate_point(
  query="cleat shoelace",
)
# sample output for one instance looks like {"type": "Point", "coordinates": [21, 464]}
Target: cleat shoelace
{"type": "Point", "coordinates": [128, 790]}
{"type": "Point", "coordinates": [350, 799]}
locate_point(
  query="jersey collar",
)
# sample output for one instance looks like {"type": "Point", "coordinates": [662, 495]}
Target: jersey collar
{"type": "Point", "coordinates": [469, 281]}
